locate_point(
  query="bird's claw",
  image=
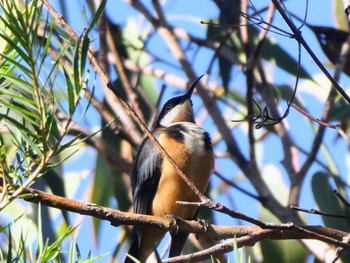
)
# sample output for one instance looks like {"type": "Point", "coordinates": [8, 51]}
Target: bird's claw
{"type": "Point", "coordinates": [176, 220]}
{"type": "Point", "coordinates": [204, 223]}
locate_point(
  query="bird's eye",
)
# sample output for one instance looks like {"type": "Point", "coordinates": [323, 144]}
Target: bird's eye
{"type": "Point", "coordinates": [168, 107]}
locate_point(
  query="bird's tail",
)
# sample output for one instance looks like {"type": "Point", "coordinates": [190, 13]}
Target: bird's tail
{"type": "Point", "coordinates": [134, 249]}
{"type": "Point", "coordinates": [178, 241]}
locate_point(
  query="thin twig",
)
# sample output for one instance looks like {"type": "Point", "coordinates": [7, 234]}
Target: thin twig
{"type": "Point", "coordinates": [317, 212]}
{"type": "Point", "coordinates": [298, 36]}
{"type": "Point", "coordinates": [323, 123]}
{"type": "Point", "coordinates": [230, 183]}
{"type": "Point", "coordinates": [341, 198]}
{"type": "Point", "coordinates": [122, 74]}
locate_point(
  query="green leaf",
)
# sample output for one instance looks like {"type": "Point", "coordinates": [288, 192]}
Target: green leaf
{"type": "Point", "coordinates": [76, 72]}
{"type": "Point", "coordinates": [102, 192]}
{"type": "Point", "coordinates": [97, 15]}
{"type": "Point", "coordinates": [21, 84]}
{"type": "Point", "coordinates": [286, 251]}
{"type": "Point", "coordinates": [148, 86]}
{"type": "Point", "coordinates": [56, 184]}
{"type": "Point", "coordinates": [339, 17]}
{"type": "Point", "coordinates": [86, 40]}
{"type": "Point", "coordinates": [340, 110]}
{"type": "Point", "coordinates": [15, 64]}
{"type": "Point", "coordinates": [219, 34]}
{"type": "Point", "coordinates": [275, 54]}
{"type": "Point", "coordinates": [51, 252]}
{"type": "Point", "coordinates": [70, 91]}
{"type": "Point", "coordinates": [225, 67]}
{"type": "Point", "coordinates": [13, 123]}
{"type": "Point", "coordinates": [18, 99]}
{"type": "Point", "coordinates": [84, 52]}
{"type": "Point", "coordinates": [51, 127]}
{"type": "Point", "coordinates": [328, 202]}
{"type": "Point", "coordinates": [13, 42]}
{"type": "Point", "coordinates": [21, 110]}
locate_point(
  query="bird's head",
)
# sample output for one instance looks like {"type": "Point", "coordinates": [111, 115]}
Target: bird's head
{"type": "Point", "coordinates": [178, 109]}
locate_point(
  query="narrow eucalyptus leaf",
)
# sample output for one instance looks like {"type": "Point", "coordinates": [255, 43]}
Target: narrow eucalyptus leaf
{"type": "Point", "coordinates": [71, 96]}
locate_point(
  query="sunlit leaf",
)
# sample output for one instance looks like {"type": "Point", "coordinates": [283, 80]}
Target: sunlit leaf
{"type": "Point", "coordinates": [339, 17]}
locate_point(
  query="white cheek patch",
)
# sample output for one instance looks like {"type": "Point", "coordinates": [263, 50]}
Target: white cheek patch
{"type": "Point", "coordinates": [170, 116]}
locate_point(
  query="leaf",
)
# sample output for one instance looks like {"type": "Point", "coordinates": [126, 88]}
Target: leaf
{"type": "Point", "coordinates": [76, 72]}
{"type": "Point", "coordinates": [219, 34]}
{"type": "Point", "coordinates": [102, 192]}
{"type": "Point", "coordinates": [328, 202]}
{"type": "Point", "coordinates": [148, 86]}
{"type": "Point", "coordinates": [270, 51]}
{"type": "Point", "coordinates": [339, 16]}
{"type": "Point", "coordinates": [331, 41]}
{"type": "Point", "coordinates": [13, 42]}
{"type": "Point", "coordinates": [84, 51]}
{"type": "Point", "coordinates": [11, 59]}
{"type": "Point", "coordinates": [56, 184]}
{"type": "Point", "coordinates": [97, 15]}
{"type": "Point", "coordinates": [275, 54]}
{"type": "Point", "coordinates": [287, 251]}
{"type": "Point", "coordinates": [225, 67]}
{"type": "Point", "coordinates": [70, 91]}
{"type": "Point", "coordinates": [278, 251]}
{"type": "Point", "coordinates": [21, 110]}
{"type": "Point", "coordinates": [285, 93]}
{"type": "Point", "coordinates": [340, 111]}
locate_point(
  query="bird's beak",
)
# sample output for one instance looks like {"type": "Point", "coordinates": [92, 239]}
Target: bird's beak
{"type": "Point", "coordinates": [188, 94]}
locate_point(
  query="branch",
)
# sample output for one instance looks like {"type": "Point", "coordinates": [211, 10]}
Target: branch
{"type": "Point", "coordinates": [247, 240]}
{"type": "Point", "coordinates": [122, 72]}
{"type": "Point", "coordinates": [250, 234]}
{"type": "Point", "coordinates": [323, 123]}
{"type": "Point", "coordinates": [341, 62]}
{"type": "Point", "coordinates": [298, 36]}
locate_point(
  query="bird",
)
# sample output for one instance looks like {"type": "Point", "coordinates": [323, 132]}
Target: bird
{"type": "Point", "coordinates": [156, 185]}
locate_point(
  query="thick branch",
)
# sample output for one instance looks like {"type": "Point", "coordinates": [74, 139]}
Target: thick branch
{"type": "Point", "coordinates": [253, 233]}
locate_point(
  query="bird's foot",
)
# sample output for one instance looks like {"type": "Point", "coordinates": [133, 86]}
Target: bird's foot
{"type": "Point", "coordinates": [204, 223]}
{"type": "Point", "coordinates": [176, 221]}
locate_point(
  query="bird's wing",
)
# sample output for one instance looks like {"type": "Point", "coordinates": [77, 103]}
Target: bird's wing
{"type": "Point", "coordinates": [145, 175]}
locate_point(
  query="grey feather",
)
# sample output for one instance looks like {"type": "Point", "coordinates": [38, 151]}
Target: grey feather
{"type": "Point", "coordinates": [145, 175]}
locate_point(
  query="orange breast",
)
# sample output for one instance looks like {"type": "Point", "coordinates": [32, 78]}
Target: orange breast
{"type": "Point", "coordinates": [172, 188]}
